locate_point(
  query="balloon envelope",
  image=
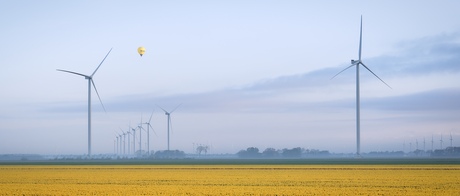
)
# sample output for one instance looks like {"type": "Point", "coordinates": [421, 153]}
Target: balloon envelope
{"type": "Point", "coordinates": [141, 50]}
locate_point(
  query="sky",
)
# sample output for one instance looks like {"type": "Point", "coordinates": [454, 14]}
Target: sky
{"type": "Point", "coordinates": [246, 73]}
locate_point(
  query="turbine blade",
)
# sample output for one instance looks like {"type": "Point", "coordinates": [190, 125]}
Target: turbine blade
{"type": "Point", "coordinates": [360, 38]}
{"type": "Point", "coordinates": [97, 93]}
{"type": "Point", "coordinates": [151, 117]}
{"type": "Point", "coordinates": [101, 62]}
{"type": "Point", "coordinates": [343, 71]}
{"type": "Point", "coordinates": [73, 73]}
{"type": "Point", "coordinates": [375, 75]}
{"type": "Point", "coordinates": [163, 109]}
{"type": "Point", "coordinates": [153, 130]}
{"type": "Point", "coordinates": [175, 108]}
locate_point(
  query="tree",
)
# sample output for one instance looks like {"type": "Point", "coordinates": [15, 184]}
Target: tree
{"type": "Point", "coordinates": [251, 152]}
{"type": "Point", "coordinates": [270, 152]}
{"type": "Point", "coordinates": [295, 152]}
{"type": "Point", "coordinates": [169, 154]}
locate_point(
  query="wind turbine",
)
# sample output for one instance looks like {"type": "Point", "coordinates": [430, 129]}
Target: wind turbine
{"type": "Point", "coordinates": [451, 140]}
{"type": "Point", "coordinates": [117, 145]}
{"type": "Point", "coordinates": [129, 140]}
{"type": "Point", "coordinates": [121, 143]}
{"type": "Point", "coordinates": [140, 136]}
{"type": "Point", "coordinates": [424, 149]}
{"type": "Point", "coordinates": [134, 139]}
{"type": "Point", "coordinates": [441, 141]}
{"type": "Point", "coordinates": [357, 63]}
{"type": "Point", "coordinates": [432, 143]}
{"type": "Point", "coordinates": [114, 146]}
{"type": "Point", "coordinates": [148, 132]}
{"type": "Point", "coordinates": [90, 81]}
{"type": "Point", "coordinates": [124, 141]}
{"type": "Point", "coordinates": [169, 119]}
{"type": "Point", "coordinates": [404, 146]}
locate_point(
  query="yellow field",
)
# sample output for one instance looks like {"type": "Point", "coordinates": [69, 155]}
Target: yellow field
{"type": "Point", "coordinates": [230, 180]}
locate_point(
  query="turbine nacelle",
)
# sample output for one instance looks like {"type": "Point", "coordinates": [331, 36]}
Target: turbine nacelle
{"type": "Point", "coordinates": [355, 62]}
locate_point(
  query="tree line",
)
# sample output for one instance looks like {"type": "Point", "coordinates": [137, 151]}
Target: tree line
{"type": "Point", "coordinates": [253, 152]}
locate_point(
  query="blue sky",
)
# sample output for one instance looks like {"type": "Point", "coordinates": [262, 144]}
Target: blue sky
{"type": "Point", "coordinates": [248, 73]}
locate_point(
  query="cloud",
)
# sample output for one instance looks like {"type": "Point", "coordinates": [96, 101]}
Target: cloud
{"type": "Point", "coordinates": [439, 99]}
{"type": "Point", "coordinates": [437, 54]}
{"type": "Point", "coordinates": [315, 90]}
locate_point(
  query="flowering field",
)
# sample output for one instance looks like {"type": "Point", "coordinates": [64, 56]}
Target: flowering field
{"type": "Point", "coordinates": [230, 180]}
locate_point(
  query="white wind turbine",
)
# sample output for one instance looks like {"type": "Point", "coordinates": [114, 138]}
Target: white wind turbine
{"type": "Point", "coordinates": [90, 81]}
{"type": "Point", "coordinates": [441, 141]}
{"type": "Point", "coordinates": [114, 146]}
{"type": "Point", "coordinates": [134, 138]}
{"type": "Point", "coordinates": [357, 63]}
{"type": "Point", "coordinates": [129, 140]}
{"type": "Point", "coordinates": [124, 141]}
{"type": "Point", "coordinates": [148, 132]}
{"type": "Point", "coordinates": [432, 143]}
{"type": "Point", "coordinates": [424, 149]}
{"type": "Point", "coordinates": [117, 145]}
{"type": "Point", "coordinates": [121, 143]}
{"type": "Point", "coordinates": [140, 135]}
{"type": "Point", "coordinates": [169, 119]}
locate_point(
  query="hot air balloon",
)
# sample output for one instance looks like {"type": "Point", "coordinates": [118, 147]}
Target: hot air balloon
{"type": "Point", "coordinates": [141, 50]}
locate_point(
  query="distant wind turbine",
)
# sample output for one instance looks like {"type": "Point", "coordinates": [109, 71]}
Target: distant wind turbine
{"type": "Point", "coordinates": [124, 141]}
{"type": "Point", "coordinates": [148, 132]}
{"type": "Point", "coordinates": [357, 63]}
{"type": "Point", "coordinates": [117, 145]}
{"type": "Point", "coordinates": [169, 119]}
{"type": "Point", "coordinates": [129, 140]}
{"type": "Point", "coordinates": [424, 149]}
{"type": "Point", "coordinates": [140, 136]}
{"type": "Point", "coordinates": [121, 143]}
{"type": "Point", "coordinates": [441, 141]}
{"type": "Point", "coordinates": [90, 81]}
{"type": "Point", "coordinates": [134, 138]}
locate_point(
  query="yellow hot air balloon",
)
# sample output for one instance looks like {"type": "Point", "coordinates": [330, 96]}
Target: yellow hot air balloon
{"type": "Point", "coordinates": [141, 50]}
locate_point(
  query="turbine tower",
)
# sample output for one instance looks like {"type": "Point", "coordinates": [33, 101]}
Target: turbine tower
{"type": "Point", "coordinates": [90, 81]}
{"type": "Point", "coordinates": [169, 119]}
{"type": "Point", "coordinates": [357, 63]}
